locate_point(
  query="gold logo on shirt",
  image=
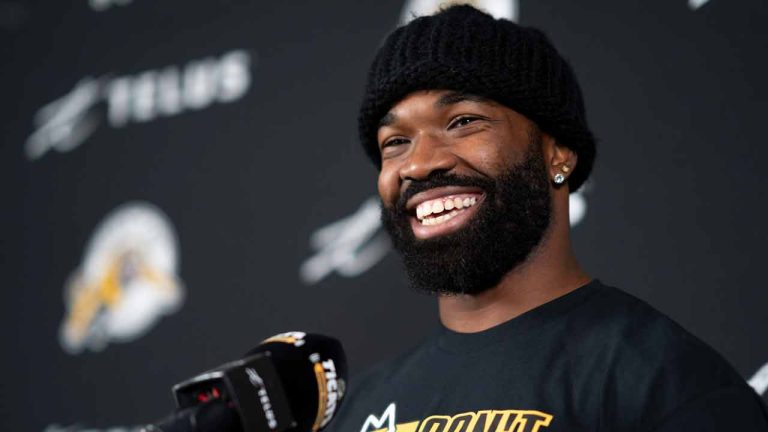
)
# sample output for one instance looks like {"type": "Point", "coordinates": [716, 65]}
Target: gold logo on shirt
{"type": "Point", "coordinates": [471, 421]}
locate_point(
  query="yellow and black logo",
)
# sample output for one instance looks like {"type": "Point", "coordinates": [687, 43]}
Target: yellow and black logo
{"type": "Point", "coordinates": [127, 280]}
{"type": "Point", "coordinates": [471, 421]}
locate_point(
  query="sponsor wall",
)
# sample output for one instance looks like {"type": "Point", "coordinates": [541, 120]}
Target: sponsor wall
{"type": "Point", "coordinates": [181, 180]}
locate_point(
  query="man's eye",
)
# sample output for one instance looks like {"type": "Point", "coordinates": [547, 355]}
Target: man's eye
{"type": "Point", "coordinates": [462, 121]}
{"type": "Point", "coordinates": [394, 142]}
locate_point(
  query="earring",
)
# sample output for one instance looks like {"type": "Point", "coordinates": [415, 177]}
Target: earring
{"type": "Point", "coordinates": [559, 178]}
{"type": "Point", "coordinates": [566, 169]}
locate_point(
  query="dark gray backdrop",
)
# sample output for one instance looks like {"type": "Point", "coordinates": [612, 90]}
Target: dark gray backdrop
{"type": "Point", "coordinates": [675, 209]}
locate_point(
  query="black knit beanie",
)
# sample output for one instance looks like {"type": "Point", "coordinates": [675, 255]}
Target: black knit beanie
{"type": "Point", "coordinates": [463, 49]}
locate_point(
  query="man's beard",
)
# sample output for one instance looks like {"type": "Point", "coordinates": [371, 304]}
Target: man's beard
{"type": "Point", "coordinates": [507, 227]}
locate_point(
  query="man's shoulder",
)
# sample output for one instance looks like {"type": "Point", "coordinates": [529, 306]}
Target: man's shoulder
{"type": "Point", "coordinates": [651, 363]}
{"type": "Point", "coordinates": [627, 334]}
{"type": "Point", "coordinates": [621, 323]}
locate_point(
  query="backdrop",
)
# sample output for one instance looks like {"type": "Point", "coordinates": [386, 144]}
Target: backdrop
{"type": "Point", "coordinates": [182, 179]}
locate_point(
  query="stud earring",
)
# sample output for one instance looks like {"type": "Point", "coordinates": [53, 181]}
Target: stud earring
{"type": "Point", "coordinates": [559, 178]}
{"type": "Point", "coordinates": [566, 169]}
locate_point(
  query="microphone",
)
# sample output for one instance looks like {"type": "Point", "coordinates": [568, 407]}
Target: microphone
{"type": "Point", "coordinates": [291, 382]}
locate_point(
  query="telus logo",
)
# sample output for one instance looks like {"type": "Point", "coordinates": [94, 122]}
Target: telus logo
{"type": "Point", "coordinates": [65, 123]}
{"type": "Point", "coordinates": [266, 403]}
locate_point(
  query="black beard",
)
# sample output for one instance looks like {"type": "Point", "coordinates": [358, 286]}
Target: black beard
{"type": "Point", "coordinates": [507, 227]}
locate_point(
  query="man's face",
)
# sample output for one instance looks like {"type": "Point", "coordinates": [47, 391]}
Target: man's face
{"type": "Point", "coordinates": [464, 188]}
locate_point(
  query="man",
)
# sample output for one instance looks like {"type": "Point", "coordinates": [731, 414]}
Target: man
{"type": "Point", "coordinates": [479, 130]}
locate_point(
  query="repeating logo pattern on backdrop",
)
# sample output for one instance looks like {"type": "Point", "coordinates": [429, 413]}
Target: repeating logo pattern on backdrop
{"type": "Point", "coordinates": [126, 282]}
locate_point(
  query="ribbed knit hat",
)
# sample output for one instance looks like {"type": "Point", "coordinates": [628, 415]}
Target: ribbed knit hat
{"type": "Point", "coordinates": [463, 49]}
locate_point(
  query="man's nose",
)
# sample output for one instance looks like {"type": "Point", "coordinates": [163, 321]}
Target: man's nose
{"type": "Point", "coordinates": [429, 153]}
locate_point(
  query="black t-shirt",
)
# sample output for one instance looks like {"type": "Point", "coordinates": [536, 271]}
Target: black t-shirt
{"type": "Point", "coordinates": [595, 359]}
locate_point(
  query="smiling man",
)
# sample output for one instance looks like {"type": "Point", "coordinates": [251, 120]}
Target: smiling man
{"type": "Point", "coordinates": [479, 131]}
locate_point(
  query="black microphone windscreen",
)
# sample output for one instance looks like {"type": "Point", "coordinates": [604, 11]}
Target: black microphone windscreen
{"type": "Point", "coordinates": [313, 371]}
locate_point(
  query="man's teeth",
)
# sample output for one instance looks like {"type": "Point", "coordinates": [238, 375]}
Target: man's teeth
{"type": "Point", "coordinates": [439, 219]}
{"type": "Point", "coordinates": [433, 207]}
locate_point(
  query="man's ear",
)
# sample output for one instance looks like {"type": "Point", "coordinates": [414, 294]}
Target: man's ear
{"type": "Point", "coordinates": [559, 158]}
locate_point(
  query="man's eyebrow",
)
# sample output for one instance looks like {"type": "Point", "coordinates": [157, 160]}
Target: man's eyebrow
{"type": "Point", "coordinates": [387, 120]}
{"type": "Point", "coordinates": [456, 97]}
{"type": "Point", "coordinates": [445, 100]}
